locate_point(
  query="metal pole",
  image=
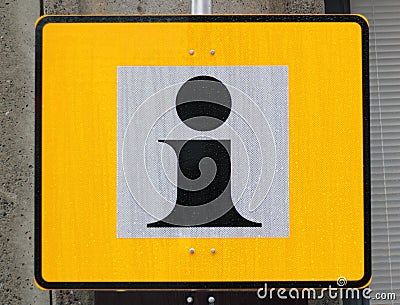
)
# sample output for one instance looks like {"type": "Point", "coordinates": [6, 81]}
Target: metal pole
{"type": "Point", "coordinates": [201, 7]}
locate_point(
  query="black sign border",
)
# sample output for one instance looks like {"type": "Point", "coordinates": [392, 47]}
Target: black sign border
{"type": "Point", "coordinates": [200, 18]}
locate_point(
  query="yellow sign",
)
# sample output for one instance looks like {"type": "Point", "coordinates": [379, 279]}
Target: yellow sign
{"type": "Point", "coordinates": [202, 152]}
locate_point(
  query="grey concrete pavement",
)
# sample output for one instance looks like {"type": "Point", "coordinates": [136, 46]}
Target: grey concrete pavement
{"type": "Point", "coordinates": [182, 6]}
{"type": "Point", "coordinates": [16, 153]}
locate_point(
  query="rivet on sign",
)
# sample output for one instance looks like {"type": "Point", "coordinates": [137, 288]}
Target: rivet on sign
{"type": "Point", "coordinates": [189, 300]}
{"type": "Point", "coordinates": [212, 52]}
{"type": "Point", "coordinates": [191, 52]}
{"type": "Point", "coordinates": [191, 250]}
{"type": "Point", "coordinates": [211, 300]}
{"type": "Point", "coordinates": [212, 250]}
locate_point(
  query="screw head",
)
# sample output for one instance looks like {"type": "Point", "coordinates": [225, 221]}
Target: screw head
{"type": "Point", "coordinates": [212, 52]}
{"type": "Point", "coordinates": [211, 300]}
{"type": "Point", "coordinates": [189, 300]}
{"type": "Point", "coordinates": [212, 250]}
{"type": "Point", "coordinates": [191, 52]}
{"type": "Point", "coordinates": [191, 250]}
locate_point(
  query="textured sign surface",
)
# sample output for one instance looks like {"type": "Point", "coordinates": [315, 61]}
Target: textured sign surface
{"type": "Point", "coordinates": [257, 131]}
{"type": "Point", "coordinates": [202, 152]}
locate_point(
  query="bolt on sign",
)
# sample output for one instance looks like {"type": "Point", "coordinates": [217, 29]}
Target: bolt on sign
{"type": "Point", "coordinates": [202, 152]}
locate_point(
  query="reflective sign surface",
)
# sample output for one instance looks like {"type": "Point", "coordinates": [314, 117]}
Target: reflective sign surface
{"type": "Point", "coordinates": [242, 191]}
{"type": "Point", "coordinates": [202, 152]}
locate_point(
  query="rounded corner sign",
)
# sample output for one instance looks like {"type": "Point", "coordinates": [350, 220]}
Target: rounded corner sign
{"type": "Point", "coordinates": [202, 152]}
